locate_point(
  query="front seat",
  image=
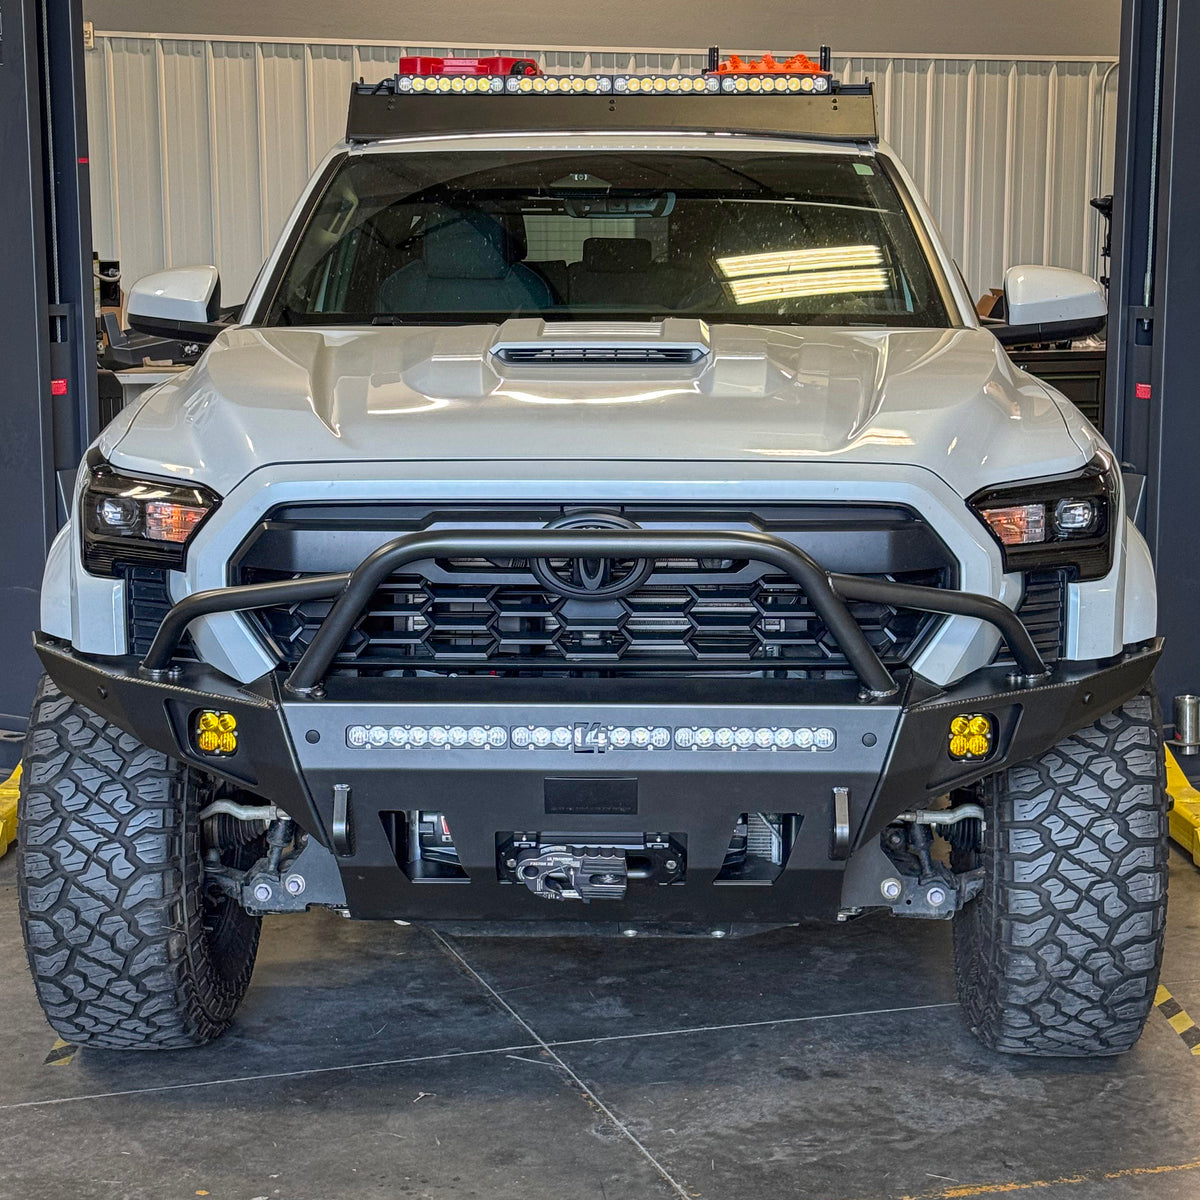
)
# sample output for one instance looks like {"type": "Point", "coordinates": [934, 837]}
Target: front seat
{"type": "Point", "coordinates": [611, 268]}
{"type": "Point", "coordinates": [467, 265]}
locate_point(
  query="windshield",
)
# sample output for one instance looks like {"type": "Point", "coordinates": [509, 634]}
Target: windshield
{"type": "Point", "coordinates": [792, 238]}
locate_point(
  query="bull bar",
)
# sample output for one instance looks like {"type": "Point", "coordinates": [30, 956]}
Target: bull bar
{"type": "Point", "coordinates": [351, 592]}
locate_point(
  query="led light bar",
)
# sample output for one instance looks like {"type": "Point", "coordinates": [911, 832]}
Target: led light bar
{"type": "Point", "coordinates": [664, 84]}
{"type": "Point", "coordinates": [622, 85]}
{"type": "Point", "coordinates": [589, 737]}
{"type": "Point", "coordinates": [809, 85]}
{"type": "Point", "coordinates": [495, 85]}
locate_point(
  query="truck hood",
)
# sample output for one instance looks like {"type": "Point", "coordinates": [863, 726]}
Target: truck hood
{"type": "Point", "coordinates": [945, 400]}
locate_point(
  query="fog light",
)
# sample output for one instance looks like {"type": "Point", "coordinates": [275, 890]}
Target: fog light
{"type": "Point", "coordinates": [970, 736]}
{"type": "Point", "coordinates": [216, 732]}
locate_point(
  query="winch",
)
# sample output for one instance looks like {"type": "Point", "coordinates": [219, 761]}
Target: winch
{"type": "Point", "coordinates": [572, 867]}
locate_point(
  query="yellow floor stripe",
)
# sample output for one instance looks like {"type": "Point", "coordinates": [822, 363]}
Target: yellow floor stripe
{"type": "Point", "coordinates": [9, 791]}
{"type": "Point", "coordinates": [1178, 1019]}
{"type": "Point", "coordinates": [977, 1191]}
{"type": "Point", "coordinates": [1185, 812]}
{"type": "Point", "coordinates": [61, 1054]}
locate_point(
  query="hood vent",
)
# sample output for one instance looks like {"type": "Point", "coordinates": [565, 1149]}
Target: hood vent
{"type": "Point", "coordinates": [675, 342]}
{"type": "Point", "coordinates": [566, 355]}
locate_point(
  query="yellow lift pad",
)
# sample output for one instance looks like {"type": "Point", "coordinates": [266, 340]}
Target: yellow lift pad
{"type": "Point", "coordinates": [9, 791]}
{"type": "Point", "coordinates": [1185, 813]}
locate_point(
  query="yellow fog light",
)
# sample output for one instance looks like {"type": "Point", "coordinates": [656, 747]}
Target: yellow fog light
{"type": "Point", "coordinates": [971, 736]}
{"type": "Point", "coordinates": [216, 732]}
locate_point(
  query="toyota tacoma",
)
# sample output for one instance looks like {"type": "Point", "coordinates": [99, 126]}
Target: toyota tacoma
{"type": "Point", "coordinates": [607, 511]}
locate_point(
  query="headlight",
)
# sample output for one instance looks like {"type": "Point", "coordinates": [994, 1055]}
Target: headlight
{"type": "Point", "coordinates": [1063, 522]}
{"type": "Point", "coordinates": [138, 522]}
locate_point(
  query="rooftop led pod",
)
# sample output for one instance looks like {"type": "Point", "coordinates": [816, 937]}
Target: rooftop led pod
{"type": "Point", "coordinates": [760, 84]}
{"type": "Point", "coordinates": [666, 84]}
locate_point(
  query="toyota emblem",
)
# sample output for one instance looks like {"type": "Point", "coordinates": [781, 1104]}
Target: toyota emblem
{"type": "Point", "coordinates": [592, 578]}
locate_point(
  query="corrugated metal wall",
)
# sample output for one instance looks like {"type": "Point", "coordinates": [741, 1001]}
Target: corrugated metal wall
{"type": "Point", "coordinates": [200, 147]}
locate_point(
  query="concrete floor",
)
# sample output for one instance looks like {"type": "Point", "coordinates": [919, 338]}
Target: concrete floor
{"type": "Point", "coordinates": [373, 1061]}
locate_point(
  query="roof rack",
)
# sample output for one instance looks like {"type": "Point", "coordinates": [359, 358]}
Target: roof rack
{"type": "Point", "coordinates": [794, 98]}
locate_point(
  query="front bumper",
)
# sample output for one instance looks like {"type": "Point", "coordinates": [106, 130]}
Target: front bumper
{"type": "Point", "coordinates": [890, 756]}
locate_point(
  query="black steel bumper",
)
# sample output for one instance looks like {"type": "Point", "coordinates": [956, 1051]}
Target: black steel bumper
{"type": "Point", "coordinates": [888, 752]}
{"type": "Point", "coordinates": [890, 756]}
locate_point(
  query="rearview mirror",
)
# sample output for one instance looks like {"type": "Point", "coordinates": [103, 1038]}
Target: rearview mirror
{"type": "Point", "coordinates": [1050, 304]}
{"type": "Point", "coordinates": [184, 302]}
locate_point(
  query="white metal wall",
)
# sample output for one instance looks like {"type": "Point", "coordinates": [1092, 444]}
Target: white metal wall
{"type": "Point", "coordinates": [199, 147]}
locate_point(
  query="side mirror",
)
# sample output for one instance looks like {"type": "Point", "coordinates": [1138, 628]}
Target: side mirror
{"type": "Point", "coordinates": [1049, 304]}
{"type": "Point", "coordinates": [184, 302]}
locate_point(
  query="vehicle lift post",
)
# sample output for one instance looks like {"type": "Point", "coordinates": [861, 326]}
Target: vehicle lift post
{"type": "Point", "coordinates": [1152, 413]}
{"type": "Point", "coordinates": [49, 411]}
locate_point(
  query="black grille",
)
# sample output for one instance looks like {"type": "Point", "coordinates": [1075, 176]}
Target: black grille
{"type": "Point", "coordinates": [1041, 612]}
{"type": "Point", "coordinates": [565, 355]}
{"type": "Point", "coordinates": [148, 603]}
{"type": "Point", "coordinates": [695, 621]}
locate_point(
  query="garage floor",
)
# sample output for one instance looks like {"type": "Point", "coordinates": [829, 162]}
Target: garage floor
{"type": "Point", "coordinates": [373, 1061]}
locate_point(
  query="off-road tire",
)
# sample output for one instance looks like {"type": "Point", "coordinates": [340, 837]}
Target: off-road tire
{"type": "Point", "coordinates": [1060, 954]}
{"type": "Point", "coordinates": [126, 950]}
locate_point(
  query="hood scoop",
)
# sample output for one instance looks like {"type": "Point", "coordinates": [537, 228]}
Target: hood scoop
{"type": "Point", "coordinates": [535, 343]}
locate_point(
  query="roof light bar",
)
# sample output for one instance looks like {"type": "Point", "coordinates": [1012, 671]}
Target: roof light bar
{"type": "Point", "coordinates": [621, 85]}
{"type": "Point", "coordinates": [590, 101]}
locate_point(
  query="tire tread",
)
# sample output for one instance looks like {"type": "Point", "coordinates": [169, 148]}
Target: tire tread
{"type": "Point", "coordinates": [1060, 954]}
{"type": "Point", "coordinates": [109, 878]}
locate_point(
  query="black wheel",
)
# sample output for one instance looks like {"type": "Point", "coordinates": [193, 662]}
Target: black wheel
{"type": "Point", "coordinates": [127, 949]}
{"type": "Point", "coordinates": [1060, 953]}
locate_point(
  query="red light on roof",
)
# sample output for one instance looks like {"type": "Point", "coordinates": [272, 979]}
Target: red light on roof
{"type": "Point", "coordinates": [58, 387]}
{"type": "Point", "coordinates": [798, 64]}
{"type": "Point", "coordinates": [423, 64]}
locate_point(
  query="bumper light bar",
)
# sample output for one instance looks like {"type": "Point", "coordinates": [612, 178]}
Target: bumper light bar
{"type": "Point", "coordinates": [587, 737]}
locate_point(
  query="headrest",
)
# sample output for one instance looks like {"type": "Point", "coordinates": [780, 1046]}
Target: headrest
{"type": "Point", "coordinates": [518, 240]}
{"type": "Point", "coordinates": [467, 247]}
{"type": "Point", "coordinates": [616, 254]}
